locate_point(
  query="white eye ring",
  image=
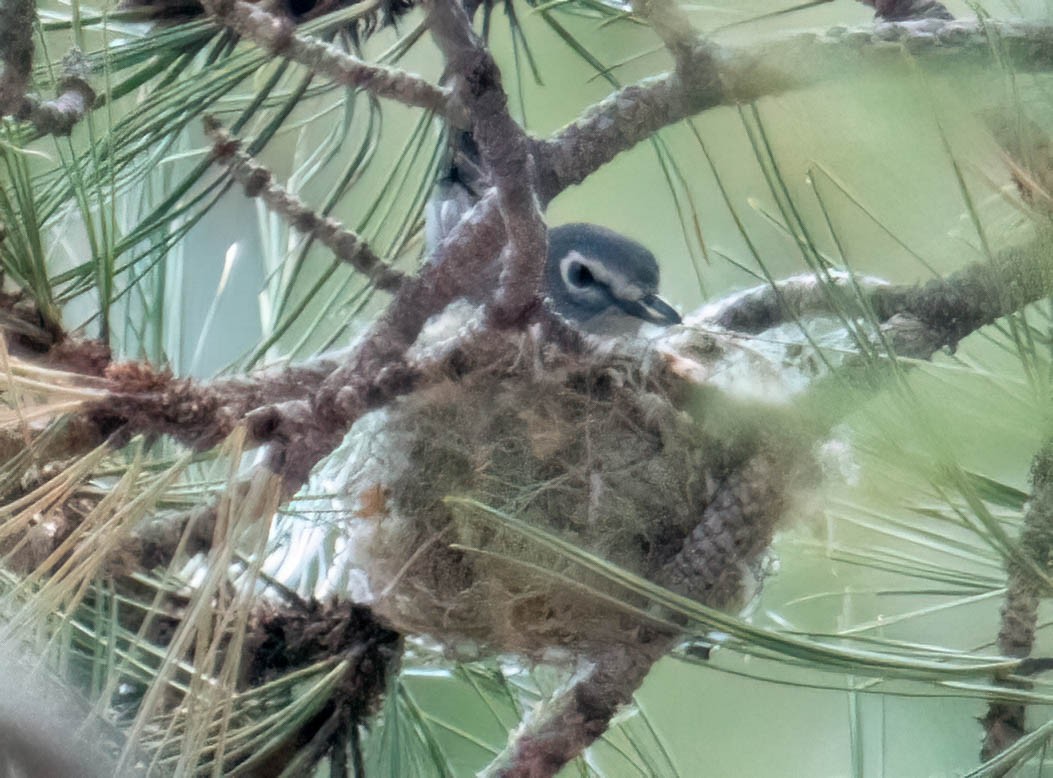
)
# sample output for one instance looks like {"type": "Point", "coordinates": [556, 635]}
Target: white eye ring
{"type": "Point", "coordinates": [578, 273]}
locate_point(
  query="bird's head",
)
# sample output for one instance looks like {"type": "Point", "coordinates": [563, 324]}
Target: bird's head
{"type": "Point", "coordinates": [603, 282]}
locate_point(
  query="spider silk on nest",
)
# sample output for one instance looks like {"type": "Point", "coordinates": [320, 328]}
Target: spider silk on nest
{"type": "Point", "coordinates": [646, 453]}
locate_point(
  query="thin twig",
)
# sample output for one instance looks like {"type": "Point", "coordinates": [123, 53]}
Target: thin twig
{"type": "Point", "coordinates": [278, 35]}
{"type": "Point", "coordinates": [259, 182]}
{"type": "Point", "coordinates": [671, 23]}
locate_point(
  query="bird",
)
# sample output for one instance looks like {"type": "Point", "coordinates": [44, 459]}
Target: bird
{"type": "Point", "coordinates": [600, 281]}
{"type": "Point", "coordinates": [603, 282]}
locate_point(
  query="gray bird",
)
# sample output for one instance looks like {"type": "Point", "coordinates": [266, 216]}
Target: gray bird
{"type": "Point", "coordinates": [602, 281]}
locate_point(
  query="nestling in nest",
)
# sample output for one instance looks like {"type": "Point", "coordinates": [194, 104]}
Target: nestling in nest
{"type": "Point", "coordinates": [623, 450]}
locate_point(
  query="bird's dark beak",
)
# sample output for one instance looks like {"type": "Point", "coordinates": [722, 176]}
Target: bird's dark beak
{"type": "Point", "coordinates": [651, 308]}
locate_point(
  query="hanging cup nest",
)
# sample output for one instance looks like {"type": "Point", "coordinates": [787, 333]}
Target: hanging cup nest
{"type": "Point", "coordinates": [623, 451]}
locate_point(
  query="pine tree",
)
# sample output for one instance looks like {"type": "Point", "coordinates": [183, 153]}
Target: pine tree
{"type": "Point", "coordinates": [254, 522]}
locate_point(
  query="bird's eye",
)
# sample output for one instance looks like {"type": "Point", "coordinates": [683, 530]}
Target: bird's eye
{"type": "Point", "coordinates": [579, 275]}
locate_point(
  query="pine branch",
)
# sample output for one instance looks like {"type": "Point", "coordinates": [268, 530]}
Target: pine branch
{"type": "Point", "coordinates": [29, 334]}
{"type": "Point", "coordinates": [76, 97]}
{"type": "Point", "coordinates": [278, 36]}
{"type": "Point", "coordinates": [918, 320]}
{"type": "Point", "coordinates": [505, 154]}
{"type": "Point", "coordinates": [734, 532]}
{"type": "Point", "coordinates": [1005, 722]}
{"type": "Point", "coordinates": [16, 53]}
{"type": "Point", "coordinates": [259, 182]}
{"type": "Point", "coordinates": [950, 308]}
{"type": "Point", "coordinates": [767, 306]}
{"type": "Point", "coordinates": [946, 310]}
{"type": "Point", "coordinates": [146, 401]}
{"type": "Point", "coordinates": [709, 76]}
{"type": "Point", "coordinates": [565, 726]}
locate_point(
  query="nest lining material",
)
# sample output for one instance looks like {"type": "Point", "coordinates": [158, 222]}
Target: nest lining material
{"type": "Point", "coordinates": [613, 450]}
